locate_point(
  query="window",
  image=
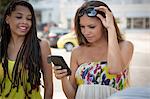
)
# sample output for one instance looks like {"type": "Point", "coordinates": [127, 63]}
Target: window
{"type": "Point", "coordinates": [138, 23]}
{"type": "Point", "coordinates": [128, 23]}
{"type": "Point", "coordinates": [147, 23]}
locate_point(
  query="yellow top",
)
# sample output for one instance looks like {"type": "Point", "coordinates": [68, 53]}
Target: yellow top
{"type": "Point", "coordinates": [14, 94]}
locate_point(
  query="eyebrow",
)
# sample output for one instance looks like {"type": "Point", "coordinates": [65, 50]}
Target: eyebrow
{"type": "Point", "coordinates": [19, 13]}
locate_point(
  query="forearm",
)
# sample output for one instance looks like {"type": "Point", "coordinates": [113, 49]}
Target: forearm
{"type": "Point", "coordinates": [68, 89]}
{"type": "Point", "coordinates": [48, 84]}
{"type": "Point", "coordinates": [48, 92]}
{"type": "Point", "coordinates": [114, 53]}
{"type": "Point", "coordinates": [48, 95]}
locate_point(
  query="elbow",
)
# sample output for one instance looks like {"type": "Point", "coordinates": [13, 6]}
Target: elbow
{"type": "Point", "coordinates": [111, 71]}
{"type": "Point", "coordinates": [116, 69]}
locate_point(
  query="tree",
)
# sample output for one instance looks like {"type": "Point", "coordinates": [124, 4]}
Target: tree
{"type": "Point", "coordinates": [3, 4]}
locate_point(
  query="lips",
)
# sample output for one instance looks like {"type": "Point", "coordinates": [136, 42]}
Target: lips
{"type": "Point", "coordinates": [23, 28]}
{"type": "Point", "coordinates": [88, 37]}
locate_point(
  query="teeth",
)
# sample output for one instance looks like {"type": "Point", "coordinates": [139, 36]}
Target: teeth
{"type": "Point", "coordinates": [23, 28]}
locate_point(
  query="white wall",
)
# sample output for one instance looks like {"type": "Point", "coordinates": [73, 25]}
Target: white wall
{"type": "Point", "coordinates": [60, 10]}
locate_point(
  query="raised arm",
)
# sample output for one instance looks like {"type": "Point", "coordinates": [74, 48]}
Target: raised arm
{"type": "Point", "coordinates": [119, 53]}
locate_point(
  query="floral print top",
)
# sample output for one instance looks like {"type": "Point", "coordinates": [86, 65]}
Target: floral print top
{"type": "Point", "coordinates": [97, 73]}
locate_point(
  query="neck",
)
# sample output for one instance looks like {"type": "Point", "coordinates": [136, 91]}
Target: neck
{"type": "Point", "coordinates": [16, 41]}
{"type": "Point", "coordinates": [99, 43]}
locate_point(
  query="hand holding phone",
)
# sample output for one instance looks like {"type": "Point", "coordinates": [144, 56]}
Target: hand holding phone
{"type": "Point", "coordinates": [59, 61]}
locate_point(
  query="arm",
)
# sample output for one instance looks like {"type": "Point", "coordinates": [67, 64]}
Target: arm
{"type": "Point", "coordinates": [47, 70]}
{"type": "Point", "coordinates": [119, 54]}
{"type": "Point", "coordinates": [69, 85]}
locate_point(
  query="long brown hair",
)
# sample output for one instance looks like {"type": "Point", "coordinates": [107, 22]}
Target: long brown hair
{"type": "Point", "coordinates": [81, 39]}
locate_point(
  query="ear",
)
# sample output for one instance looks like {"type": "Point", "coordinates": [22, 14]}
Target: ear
{"type": "Point", "coordinates": [7, 19]}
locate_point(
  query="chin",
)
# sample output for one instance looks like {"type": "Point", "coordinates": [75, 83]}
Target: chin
{"type": "Point", "coordinates": [91, 41]}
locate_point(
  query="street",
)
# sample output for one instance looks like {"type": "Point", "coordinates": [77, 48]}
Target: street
{"type": "Point", "coordinates": [139, 68]}
{"type": "Point", "coordinates": [140, 64]}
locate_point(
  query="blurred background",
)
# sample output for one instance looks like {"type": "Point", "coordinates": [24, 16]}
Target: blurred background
{"type": "Point", "coordinates": [55, 23]}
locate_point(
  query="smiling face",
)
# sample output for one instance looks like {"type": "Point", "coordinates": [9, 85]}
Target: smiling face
{"type": "Point", "coordinates": [19, 20]}
{"type": "Point", "coordinates": [91, 28]}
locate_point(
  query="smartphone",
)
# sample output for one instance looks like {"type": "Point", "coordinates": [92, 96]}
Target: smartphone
{"type": "Point", "coordinates": [59, 61]}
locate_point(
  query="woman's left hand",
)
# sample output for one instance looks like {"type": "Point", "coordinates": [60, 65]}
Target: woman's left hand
{"type": "Point", "coordinates": [108, 22]}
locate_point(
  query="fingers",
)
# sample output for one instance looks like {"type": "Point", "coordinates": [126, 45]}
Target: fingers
{"type": "Point", "coordinates": [101, 17]}
{"type": "Point", "coordinates": [60, 76]}
{"type": "Point", "coordinates": [103, 9]}
{"type": "Point", "coordinates": [59, 73]}
{"type": "Point", "coordinates": [56, 67]}
{"type": "Point", "coordinates": [107, 21]}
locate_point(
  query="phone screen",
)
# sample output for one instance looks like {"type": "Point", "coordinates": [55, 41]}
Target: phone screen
{"type": "Point", "coordinates": [59, 61]}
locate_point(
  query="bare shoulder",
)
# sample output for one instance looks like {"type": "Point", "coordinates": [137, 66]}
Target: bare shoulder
{"type": "Point", "coordinates": [45, 46]}
{"type": "Point", "coordinates": [76, 50]}
{"type": "Point", "coordinates": [75, 55]}
{"type": "Point", "coordinates": [126, 44]}
{"type": "Point", "coordinates": [44, 43]}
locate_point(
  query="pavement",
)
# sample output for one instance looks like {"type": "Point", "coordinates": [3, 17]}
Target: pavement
{"type": "Point", "coordinates": [140, 64]}
{"type": "Point", "coordinates": [139, 67]}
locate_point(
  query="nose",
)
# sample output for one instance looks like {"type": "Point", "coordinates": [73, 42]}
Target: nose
{"type": "Point", "coordinates": [86, 31]}
{"type": "Point", "coordinates": [24, 21]}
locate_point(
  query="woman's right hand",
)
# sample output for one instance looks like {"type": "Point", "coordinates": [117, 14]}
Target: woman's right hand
{"type": "Point", "coordinates": [60, 73]}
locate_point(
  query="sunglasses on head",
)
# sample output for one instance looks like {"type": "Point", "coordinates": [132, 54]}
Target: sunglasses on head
{"type": "Point", "coordinates": [91, 12]}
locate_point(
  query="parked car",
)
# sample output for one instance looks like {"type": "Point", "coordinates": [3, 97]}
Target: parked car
{"type": "Point", "coordinates": [68, 41]}
{"type": "Point", "coordinates": [55, 34]}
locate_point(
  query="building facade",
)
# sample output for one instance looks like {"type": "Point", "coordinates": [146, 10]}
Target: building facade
{"type": "Point", "coordinates": [129, 14]}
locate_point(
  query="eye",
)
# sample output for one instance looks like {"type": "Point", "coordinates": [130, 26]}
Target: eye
{"type": "Point", "coordinates": [81, 26]}
{"type": "Point", "coordinates": [18, 17]}
{"type": "Point", "coordinates": [29, 18]}
{"type": "Point", "coordinates": [92, 27]}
